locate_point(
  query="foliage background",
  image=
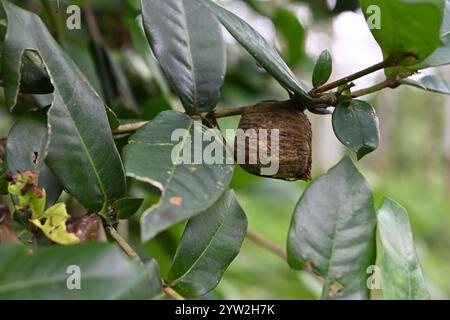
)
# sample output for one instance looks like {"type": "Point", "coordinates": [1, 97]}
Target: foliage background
{"type": "Point", "coordinates": [411, 166]}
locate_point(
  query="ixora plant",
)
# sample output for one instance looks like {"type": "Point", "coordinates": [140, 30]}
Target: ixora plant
{"type": "Point", "coordinates": [70, 145]}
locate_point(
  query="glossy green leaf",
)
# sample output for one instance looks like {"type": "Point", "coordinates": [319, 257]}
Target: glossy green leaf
{"type": "Point", "coordinates": [429, 83]}
{"type": "Point", "coordinates": [105, 273]}
{"type": "Point", "coordinates": [260, 49]}
{"type": "Point", "coordinates": [322, 69]}
{"type": "Point", "coordinates": [113, 120]}
{"type": "Point", "coordinates": [445, 27]}
{"type": "Point", "coordinates": [441, 56]}
{"type": "Point", "coordinates": [293, 33]}
{"type": "Point", "coordinates": [333, 228]}
{"type": "Point", "coordinates": [401, 275]}
{"type": "Point", "coordinates": [81, 151]}
{"type": "Point", "coordinates": [159, 155]}
{"type": "Point", "coordinates": [104, 66]}
{"type": "Point", "coordinates": [126, 207]}
{"type": "Point", "coordinates": [355, 124]}
{"type": "Point", "coordinates": [188, 43]}
{"type": "Point", "coordinates": [25, 151]}
{"type": "Point", "coordinates": [209, 244]}
{"type": "Point", "coordinates": [136, 29]}
{"type": "Point", "coordinates": [408, 30]}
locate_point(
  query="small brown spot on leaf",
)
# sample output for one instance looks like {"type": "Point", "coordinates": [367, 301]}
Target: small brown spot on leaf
{"type": "Point", "coordinates": [176, 201]}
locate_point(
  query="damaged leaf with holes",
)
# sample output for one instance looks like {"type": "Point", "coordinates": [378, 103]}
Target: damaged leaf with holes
{"type": "Point", "coordinates": [81, 150]}
{"type": "Point", "coordinates": [31, 198]}
{"type": "Point", "coordinates": [26, 148]}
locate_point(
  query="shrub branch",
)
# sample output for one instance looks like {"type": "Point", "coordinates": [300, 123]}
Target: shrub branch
{"type": "Point", "coordinates": [327, 87]}
{"type": "Point", "coordinates": [126, 247]}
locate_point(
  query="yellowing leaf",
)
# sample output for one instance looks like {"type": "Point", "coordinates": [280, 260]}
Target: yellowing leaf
{"type": "Point", "coordinates": [53, 223]}
{"type": "Point", "coordinates": [31, 198]}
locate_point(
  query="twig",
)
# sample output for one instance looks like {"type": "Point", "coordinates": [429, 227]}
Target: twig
{"type": "Point", "coordinates": [357, 75]}
{"type": "Point", "coordinates": [388, 83]}
{"type": "Point", "coordinates": [91, 24]}
{"type": "Point", "coordinates": [129, 127]}
{"type": "Point", "coordinates": [228, 112]}
{"type": "Point", "coordinates": [219, 113]}
{"type": "Point", "coordinates": [320, 102]}
{"type": "Point", "coordinates": [123, 244]}
{"type": "Point", "coordinates": [267, 244]}
{"type": "Point", "coordinates": [277, 250]}
{"type": "Point", "coordinates": [54, 20]}
{"type": "Point", "coordinates": [172, 293]}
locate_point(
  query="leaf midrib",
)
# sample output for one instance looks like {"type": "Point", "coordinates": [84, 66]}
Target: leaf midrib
{"type": "Point", "coordinates": [203, 252]}
{"type": "Point", "coordinates": [43, 281]}
{"type": "Point", "coordinates": [174, 165]}
{"type": "Point", "coordinates": [190, 57]}
{"type": "Point", "coordinates": [56, 87]}
{"type": "Point", "coordinates": [83, 145]}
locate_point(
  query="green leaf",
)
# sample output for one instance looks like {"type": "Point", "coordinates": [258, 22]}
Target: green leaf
{"type": "Point", "coordinates": [187, 189]}
{"type": "Point", "coordinates": [401, 275]}
{"type": "Point", "coordinates": [429, 83]}
{"type": "Point", "coordinates": [293, 33]}
{"type": "Point", "coordinates": [26, 148]}
{"type": "Point", "coordinates": [106, 273]}
{"type": "Point", "coordinates": [136, 29]}
{"type": "Point", "coordinates": [355, 124]}
{"type": "Point", "coordinates": [409, 30]}
{"type": "Point", "coordinates": [81, 151]}
{"type": "Point", "coordinates": [333, 228]}
{"type": "Point", "coordinates": [113, 120]}
{"type": "Point", "coordinates": [115, 88]}
{"type": "Point", "coordinates": [209, 244]}
{"type": "Point", "coordinates": [441, 56]}
{"type": "Point", "coordinates": [260, 49]}
{"type": "Point", "coordinates": [438, 58]}
{"type": "Point", "coordinates": [323, 69]}
{"type": "Point", "coordinates": [188, 43]}
{"type": "Point", "coordinates": [445, 27]}
{"type": "Point", "coordinates": [126, 207]}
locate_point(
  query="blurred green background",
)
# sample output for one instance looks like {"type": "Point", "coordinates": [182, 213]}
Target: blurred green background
{"type": "Point", "coordinates": [411, 166]}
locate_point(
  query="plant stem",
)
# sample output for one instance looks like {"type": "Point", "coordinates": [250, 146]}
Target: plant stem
{"type": "Point", "coordinates": [280, 252]}
{"type": "Point", "coordinates": [325, 290]}
{"type": "Point", "coordinates": [320, 102]}
{"type": "Point", "coordinates": [266, 244]}
{"type": "Point", "coordinates": [227, 112]}
{"type": "Point", "coordinates": [91, 24]}
{"type": "Point", "coordinates": [354, 76]}
{"type": "Point", "coordinates": [388, 83]}
{"type": "Point", "coordinates": [123, 244]}
{"type": "Point", "coordinates": [277, 250]}
{"type": "Point", "coordinates": [129, 127]}
{"type": "Point", "coordinates": [219, 113]}
{"type": "Point", "coordinates": [172, 293]}
{"type": "Point", "coordinates": [54, 20]}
